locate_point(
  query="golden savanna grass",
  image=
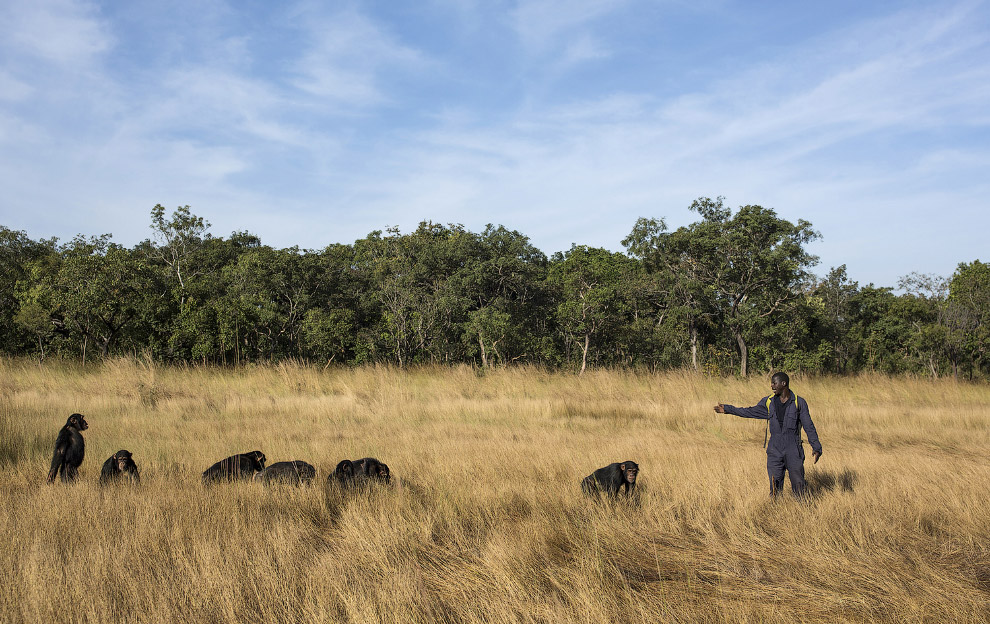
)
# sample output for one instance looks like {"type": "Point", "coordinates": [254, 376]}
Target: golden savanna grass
{"type": "Point", "coordinates": [487, 522]}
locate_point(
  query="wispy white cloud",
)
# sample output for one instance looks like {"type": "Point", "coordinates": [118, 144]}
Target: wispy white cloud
{"type": "Point", "coordinates": [584, 172]}
{"type": "Point", "coordinates": [63, 32]}
{"type": "Point", "coordinates": [581, 50]}
{"type": "Point", "coordinates": [13, 89]}
{"type": "Point", "coordinates": [317, 143]}
{"type": "Point", "coordinates": [541, 23]}
{"type": "Point", "coordinates": [215, 101]}
{"type": "Point", "coordinates": [346, 52]}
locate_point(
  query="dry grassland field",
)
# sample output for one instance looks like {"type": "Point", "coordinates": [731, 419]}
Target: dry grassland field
{"type": "Point", "coordinates": [487, 522]}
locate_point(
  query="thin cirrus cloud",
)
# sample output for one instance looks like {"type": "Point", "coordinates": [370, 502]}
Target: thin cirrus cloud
{"type": "Point", "coordinates": [565, 121]}
{"type": "Point", "coordinates": [62, 32]}
{"type": "Point", "coordinates": [587, 171]}
{"type": "Point", "coordinates": [540, 24]}
{"type": "Point", "coordinates": [346, 52]}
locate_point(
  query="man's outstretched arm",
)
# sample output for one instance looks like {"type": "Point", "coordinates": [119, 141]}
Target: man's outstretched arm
{"type": "Point", "coordinates": [757, 411]}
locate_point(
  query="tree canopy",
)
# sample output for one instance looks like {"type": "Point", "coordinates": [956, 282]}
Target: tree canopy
{"type": "Point", "coordinates": [731, 292]}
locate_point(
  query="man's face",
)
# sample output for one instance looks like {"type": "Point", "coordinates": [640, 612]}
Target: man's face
{"type": "Point", "coordinates": [777, 386]}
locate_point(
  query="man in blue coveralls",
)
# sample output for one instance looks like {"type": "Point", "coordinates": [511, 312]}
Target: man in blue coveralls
{"type": "Point", "coordinates": [786, 413]}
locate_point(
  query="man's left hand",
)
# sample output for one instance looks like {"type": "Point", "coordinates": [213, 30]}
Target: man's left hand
{"type": "Point", "coordinates": [817, 456]}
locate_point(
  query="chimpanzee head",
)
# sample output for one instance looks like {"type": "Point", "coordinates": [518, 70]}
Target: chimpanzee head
{"type": "Point", "coordinates": [77, 422]}
{"type": "Point", "coordinates": [123, 459]}
{"type": "Point", "coordinates": [629, 471]}
{"type": "Point", "coordinates": [259, 459]}
{"type": "Point", "coordinates": [383, 473]}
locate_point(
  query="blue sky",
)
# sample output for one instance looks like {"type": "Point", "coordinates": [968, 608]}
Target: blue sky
{"type": "Point", "coordinates": [311, 123]}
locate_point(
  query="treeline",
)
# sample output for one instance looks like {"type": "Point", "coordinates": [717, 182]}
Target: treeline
{"type": "Point", "coordinates": [731, 292]}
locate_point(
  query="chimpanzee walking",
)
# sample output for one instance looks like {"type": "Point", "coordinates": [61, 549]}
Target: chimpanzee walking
{"type": "Point", "coordinates": [360, 472]}
{"type": "Point", "coordinates": [611, 478]}
{"type": "Point", "coordinates": [373, 469]}
{"type": "Point", "coordinates": [236, 467]}
{"type": "Point", "coordinates": [344, 474]}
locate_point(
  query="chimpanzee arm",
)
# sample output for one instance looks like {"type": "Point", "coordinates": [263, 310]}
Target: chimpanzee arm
{"type": "Point", "coordinates": [757, 411]}
{"type": "Point", "coordinates": [62, 443]}
{"type": "Point", "coordinates": [108, 472]}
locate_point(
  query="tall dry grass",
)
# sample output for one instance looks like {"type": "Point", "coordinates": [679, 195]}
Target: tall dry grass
{"type": "Point", "coordinates": [488, 523]}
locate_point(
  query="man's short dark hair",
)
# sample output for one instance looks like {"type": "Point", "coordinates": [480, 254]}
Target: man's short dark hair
{"type": "Point", "coordinates": [782, 377]}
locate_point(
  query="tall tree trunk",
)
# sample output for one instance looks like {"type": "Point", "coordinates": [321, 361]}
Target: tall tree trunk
{"type": "Point", "coordinates": [484, 355]}
{"type": "Point", "coordinates": [105, 344]}
{"type": "Point", "coordinates": [743, 353]}
{"type": "Point", "coordinates": [694, 345]}
{"type": "Point", "coordinates": [584, 353]}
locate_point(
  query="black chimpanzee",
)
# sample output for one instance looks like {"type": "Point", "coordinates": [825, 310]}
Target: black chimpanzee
{"type": "Point", "coordinates": [610, 478]}
{"type": "Point", "coordinates": [373, 469]}
{"type": "Point", "coordinates": [120, 467]}
{"type": "Point", "coordinates": [235, 467]}
{"type": "Point", "coordinates": [360, 471]}
{"type": "Point", "coordinates": [345, 473]}
{"type": "Point", "coordinates": [70, 448]}
{"type": "Point", "coordinates": [290, 472]}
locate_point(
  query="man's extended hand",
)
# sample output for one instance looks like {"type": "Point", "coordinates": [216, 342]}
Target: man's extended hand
{"type": "Point", "coordinates": [720, 408]}
{"type": "Point", "coordinates": [817, 456]}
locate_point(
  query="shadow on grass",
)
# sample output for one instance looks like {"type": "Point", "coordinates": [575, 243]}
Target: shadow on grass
{"type": "Point", "coordinates": [821, 482]}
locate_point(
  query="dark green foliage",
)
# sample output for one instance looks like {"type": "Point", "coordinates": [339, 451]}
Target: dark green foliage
{"type": "Point", "coordinates": [731, 291]}
{"type": "Point", "coordinates": [20, 328]}
{"type": "Point", "coordinates": [595, 295]}
{"type": "Point", "coordinates": [969, 314]}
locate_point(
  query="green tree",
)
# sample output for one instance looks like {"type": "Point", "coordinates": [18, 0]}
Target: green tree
{"type": "Point", "coordinates": [593, 305]}
{"type": "Point", "coordinates": [835, 294]}
{"type": "Point", "coordinates": [93, 288]}
{"type": "Point", "coordinates": [267, 295]}
{"type": "Point", "coordinates": [969, 311]}
{"type": "Point", "coordinates": [328, 333]}
{"type": "Point", "coordinates": [178, 240]}
{"type": "Point", "coordinates": [938, 333]}
{"type": "Point", "coordinates": [675, 288]}
{"type": "Point", "coordinates": [753, 263]}
{"type": "Point", "coordinates": [17, 252]}
{"type": "Point", "coordinates": [188, 263]}
{"type": "Point", "coordinates": [414, 280]}
{"type": "Point", "coordinates": [504, 280]}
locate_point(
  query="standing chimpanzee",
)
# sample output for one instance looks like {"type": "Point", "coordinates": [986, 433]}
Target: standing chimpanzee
{"type": "Point", "coordinates": [235, 467]}
{"type": "Point", "coordinates": [70, 448]}
{"type": "Point", "coordinates": [119, 467]}
{"type": "Point", "coordinates": [291, 472]}
{"type": "Point", "coordinates": [610, 478]}
{"type": "Point", "coordinates": [373, 469]}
